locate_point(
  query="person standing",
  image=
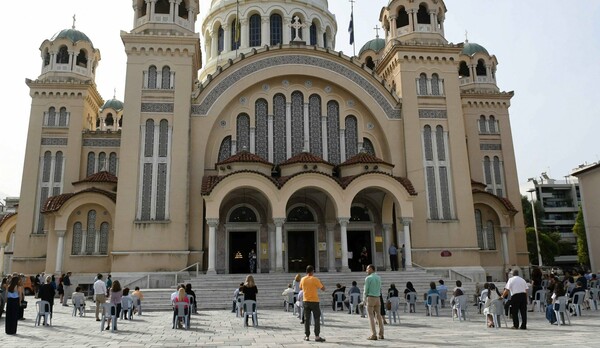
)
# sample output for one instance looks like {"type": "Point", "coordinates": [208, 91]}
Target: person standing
{"type": "Point", "coordinates": [14, 294]}
{"type": "Point", "coordinates": [364, 258]}
{"type": "Point", "coordinates": [309, 284]}
{"type": "Point", "coordinates": [402, 255]}
{"type": "Point", "coordinates": [517, 287]}
{"type": "Point", "coordinates": [372, 294]}
{"type": "Point", "coordinates": [67, 289]}
{"type": "Point", "coordinates": [108, 283]}
{"type": "Point", "coordinates": [252, 261]}
{"type": "Point", "coordinates": [393, 251]}
{"type": "Point", "coordinates": [47, 293]}
{"type": "Point", "coordinates": [99, 294]}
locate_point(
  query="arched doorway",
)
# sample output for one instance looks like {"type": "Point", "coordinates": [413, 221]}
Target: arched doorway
{"type": "Point", "coordinates": [242, 230]}
{"type": "Point", "coordinates": [359, 237]}
{"type": "Point", "coordinates": [301, 228]}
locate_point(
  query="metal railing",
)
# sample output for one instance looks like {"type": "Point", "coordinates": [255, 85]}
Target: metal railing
{"type": "Point", "coordinates": [459, 276]}
{"type": "Point", "coordinates": [147, 277]}
{"type": "Point", "coordinates": [196, 265]}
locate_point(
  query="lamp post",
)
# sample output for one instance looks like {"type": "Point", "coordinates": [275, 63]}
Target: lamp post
{"type": "Point", "coordinates": [537, 238]}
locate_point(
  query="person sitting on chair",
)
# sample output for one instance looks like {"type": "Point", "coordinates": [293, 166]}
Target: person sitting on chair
{"type": "Point", "coordinates": [338, 289]}
{"type": "Point", "coordinates": [286, 293]}
{"type": "Point", "coordinates": [181, 298]}
{"type": "Point", "coordinates": [78, 296]}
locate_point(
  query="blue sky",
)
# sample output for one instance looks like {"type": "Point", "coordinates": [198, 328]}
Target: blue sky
{"type": "Point", "coordinates": [547, 53]}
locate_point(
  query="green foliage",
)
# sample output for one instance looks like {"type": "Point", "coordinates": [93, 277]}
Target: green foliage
{"type": "Point", "coordinates": [579, 231]}
{"type": "Point", "coordinates": [549, 246]}
{"type": "Point", "coordinates": [528, 214]}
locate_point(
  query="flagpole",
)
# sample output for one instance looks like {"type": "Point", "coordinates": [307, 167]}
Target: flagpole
{"type": "Point", "coordinates": [237, 37]}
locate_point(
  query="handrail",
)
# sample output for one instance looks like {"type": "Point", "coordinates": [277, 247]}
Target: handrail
{"type": "Point", "coordinates": [147, 276]}
{"type": "Point", "coordinates": [197, 265]}
{"type": "Point", "coordinates": [450, 271]}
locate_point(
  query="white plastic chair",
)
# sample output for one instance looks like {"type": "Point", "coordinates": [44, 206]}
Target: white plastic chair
{"type": "Point", "coordinates": [43, 311]}
{"type": "Point", "coordinates": [433, 301]}
{"type": "Point", "coordinates": [497, 312]}
{"type": "Point", "coordinates": [481, 301]}
{"type": "Point", "coordinates": [339, 301]}
{"type": "Point", "coordinates": [250, 311]}
{"type": "Point", "coordinates": [289, 302]}
{"type": "Point", "coordinates": [411, 302]}
{"type": "Point", "coordinates": [192, 304]}
{"type": "Point", "coordinates": [354, 301]}
{"type": "Point", "coordinates": [109, 310]}
{"type": "Point", "coordinates": [181, 313]}
{"type": "Point", "coordinates": [593, 299]}
{"type": "Point", "coordinates": [562, 309]}
{"type": "Point", "coordinates": [393, 312]}
{"type": "Point", "coordinates": [577, 302]}
{"type": "Point", "coordinates": [539, 300]}
{"type": "Point", "coordinates": [126, 307]}
{"type": "Point", "coordinates": [460, 305]}
{"type": "Point", "coordinates": [545, 283]}
{"type": "Point", "coordinates": [238, 306]}
{"type": "Point", "coordinates": [443, 296]}
{"type": "Point", "coordinates": [137, 304]}
{"type": "Point", "coordinates": [79, 305]}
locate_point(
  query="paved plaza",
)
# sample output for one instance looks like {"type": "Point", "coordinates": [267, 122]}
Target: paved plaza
{"type": "Point", "coordinates": [281, 329]}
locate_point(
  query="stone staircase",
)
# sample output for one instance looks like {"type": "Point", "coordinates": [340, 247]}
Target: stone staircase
{"type": "Point", "coordinates": [215, 292]}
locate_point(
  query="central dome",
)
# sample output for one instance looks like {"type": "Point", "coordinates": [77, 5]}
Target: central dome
{"type": "Point", "coordinates": [318, 3]}
{"type": "Point", "coordinates": [72, 34]}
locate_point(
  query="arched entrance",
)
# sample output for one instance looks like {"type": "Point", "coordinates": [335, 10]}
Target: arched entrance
{"type": "Point", "coordinates": [301, 228]}
{"type": "Point", "coordinates": [242, 237]}
{"type": "Point", "coordinates": [360, 232]}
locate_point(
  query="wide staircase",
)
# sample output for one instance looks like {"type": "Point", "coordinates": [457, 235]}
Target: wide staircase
{"type": "Point", "coordinates": [216, 291]}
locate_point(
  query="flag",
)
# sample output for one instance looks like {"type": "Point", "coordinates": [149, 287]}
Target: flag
{"type": "Point", "coordinates": [351, 28]}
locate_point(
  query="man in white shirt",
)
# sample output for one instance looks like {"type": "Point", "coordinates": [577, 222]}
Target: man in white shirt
{"type": "Point", "coordinates": [517, 287]}
{"type": "Point", "coordinates": [99, 294]}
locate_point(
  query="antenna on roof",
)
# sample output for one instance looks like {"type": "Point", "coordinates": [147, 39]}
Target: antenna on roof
{"type": "Point", "coordinates": [115, 93]}
{"type": "Point", "coordinates": [73, 22]}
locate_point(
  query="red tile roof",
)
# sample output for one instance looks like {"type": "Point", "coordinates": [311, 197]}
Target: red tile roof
{"type": "Point", "coordinates": [54, 203]}
{"type": "Point", "coordinates": [505, 201]}
{"type": "Point", "coordinates": [102, 176]}
{"type": "Point", "coordinates": [209, 182]}
{"type": "Point", "coordinates": [404, 181]}
{"type": "Point", "coordinates": [364, 158]}
{"type": "Point", "coordinates": [304, 157]}
{"type": "Point", "coordinates": [6, 217]}
{"type": "Point", "coordinates": [244, 156]}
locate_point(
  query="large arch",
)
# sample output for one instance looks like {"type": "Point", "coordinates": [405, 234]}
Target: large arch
{"type": "Point", "coordinates": [385, 183]}
{"type": "Point", "coordinates": [319, 182]}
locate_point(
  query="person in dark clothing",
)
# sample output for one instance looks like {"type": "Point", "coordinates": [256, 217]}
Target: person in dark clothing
{"type": "Point", "coordinates": [250, 290]}
{"type": "Point", "coordinates": [338, 289]}
{"type": "Point", "coordinates": [13, 303]}
{"type": "Point", "coordinates": [47, 293]}
{"type": "Point", "coordinates": [189, 291]}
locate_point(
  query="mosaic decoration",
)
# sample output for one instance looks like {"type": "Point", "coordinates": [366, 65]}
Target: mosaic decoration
{"type": "Point", "coordinates": [490, 147]}
{"type": "Point", "coordinates": [223, 123]}
{"type": "Point", "coordinates": [350, 103]}
{"type": "Point", "coordinates": [439, 140]}
{"type": "Point", "coordinates": [102, 142]}
{"type": "Point", "coordinates": [390, 110]}
{"type": "Point", "coordinates": [225, 149]}
{"type": "Point", "coordinates": [91, 163]}
{"type": "Point", "coordinates": [243, 132]}
{"type": "Point", "coordinates": [351, 136]}
{"type": "Point", "coordinates": [104, 228]}
{"type": "Point", "coordinates": [368, 147]}
{"type": "Point", "coordinates": [262, 129]}
{"type": "Point", "coordinates": [279, 125]}
{"type": "Point", "coordinates": [157, 107]}
{"type": "Point", "coordinates": [314, 125]}
{"type": "Point", "coordinates": [297, 122]}
{"type": "Point", "coordinates": [266, 87]}
{"type": "Point", "coordinates": [308, 84]}
{"type": "Point", "coordinates": [243, 100]}
{"type": "Point", "coordinates": [333, 132]}
{"type": "Point", "coordinates": [327, 89]}
{"type": "Point", "coordinates": [163, 138]}
{"type": "Point", "coordinates": [161, 192]}
{"type": "Point", "coordinates": [370, 126]}
{"type": "Point", "coordinates": [55, 141]}
{"type": "Point", "coordinates": [425, 113]}
{"type": "Point", "coordinates": [77, 239]}
{"type": "Point", "coordinates": [90, 237]}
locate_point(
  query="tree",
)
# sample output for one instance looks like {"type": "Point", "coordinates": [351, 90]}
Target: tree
{"type": "Point", "coordinates": [528, 214]}
{"type": "Point", "coordinates": [549, 246]}
{"type": "Point", "coordinates": [579, 230]}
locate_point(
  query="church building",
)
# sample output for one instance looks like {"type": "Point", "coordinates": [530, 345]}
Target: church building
{"type": "Point", "coordinates": [278, 145]}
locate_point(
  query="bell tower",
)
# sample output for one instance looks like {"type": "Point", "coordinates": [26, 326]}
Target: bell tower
{"type": "Point", "coordinates": [414, 22]}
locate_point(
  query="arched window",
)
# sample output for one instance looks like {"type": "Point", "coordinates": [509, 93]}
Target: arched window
{"type": "Point", "coordinates": [152, 77]}
{"type": "Point", "coordinates": [235, 37]}
{"type": "Point", "coordinates": [109, 120]}
{"type": "Point", "coordinates": [103, 247]}
{"type": "Point", "coordinates": [276, 29]}
{"type": "Point", "coordinates": [183, 11]}
{"type": "Point", "coordinates": [437, 174]}
{"type": "Point", "coordinates": [333, 132]}
{"type": "Point", "coordinates": [482, 125]}
{"type": "Point", "coordinates": [163, 138]}
{"type": "Point", "coordinates": [492, 125]}
{"type": "Point", "coordinates": [243, 214]}
{"type": "Point", "coordinates": [47, 166]}
{"type": "Point", "coordinates": [297, 122]}
{"type": "Point", "coordinates": [479, 229]}
{"type": "Point", "coordinates": [225, 149]}
{"type": "Point", "coordinates": [220, 39]}
{"type": "Point", "coordinates": [77, 239]}
{"type": "Point", "coordinates": [254, 28]}
{"type": "Point", "coordinates": [90, 236]}
{"type": "Point", "coordinates": [279, 129]}
{"type": "Point", "coordinates": [351, 125]}
{"type": "Point", "coordinates": [101, 161]}
{"type": "Point", "coordinates": [243, 132]}
{"type": "Point", "coordinates": [490, 236]}
{"type": "Point", "coordinates": [112, 163]}
{"type": "Point", "coordinates": [315, 125]}
{"type": "Point", "coordinates": [62, 57]}
{"type": "Point", "coordinates": [325, 40]}
{"type": "Point", "coordinates": [435, 84]}
{"type": "Point", "coordinates": [62, 119]}
{"type": "Point", "coordinates": [58, 166]}
{"type": "Point", "coordinates": [91, 163]}
{"type": "Point", "coordinates": [300, 214]}
{"type": "Point", "coordinates": [262, 128]}
{"type": "Point", "coordinates": [481, 69]}
{"type": "Point", "coordinates": [313, 34]}
{"type": "Point", "coordinates": [463, 70]}
{"type": "Point", "coordinates": [82, 59]}
{"type": "Point", "coordinates": [428, 143]}
{"type": "Point", "coordinates": [423, 84]}
{"type": "Point", "coordinates": [498, 176]}
{"type": "Point", "coordinates": [369, 63]}
{"type": "Point", "coordinates": [51, 117]}
{"type": "Point", "coordinates": [439, 140]}
{"type": "Point", "coordinates": [402, 19]}
{"type": "Point", "coordinates": [46, 57]}
{"type": "Point", "coordinates": [162, 6]}
{"type": "Point", "coordinates": [166, 77]}
{"type": "Point", "coordinates": [359, 213]}
{"type": "Point", "coordinates": [423, 15]}
{"type": "Point", "coordinates": [368, 147]}
{"type": "Point", "coordinates": [487, 172]}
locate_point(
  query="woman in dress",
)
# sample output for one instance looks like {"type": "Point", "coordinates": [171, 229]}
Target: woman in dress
{"type": "Point", "coordinates": [13, 303]}
{"type": "Point", "coordinates": [116, 294]}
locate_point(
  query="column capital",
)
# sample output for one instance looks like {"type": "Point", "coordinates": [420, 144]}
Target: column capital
{"type": "Point", "coordinates": [330, 226]}
{"type": "Point", "coordinates": [212, 222]}
{"type": "Point", "coordinates": [386, 227]}
{"type": "Point", "coordinates": [406, 220]}
{"type": "Point", "coordinates": [343, 221]}
{"type": "Point", "coordinates": [278, 221]}
{"type": "Point", "coordinates": [60, 233]}
{"type": "Point", "coordinates": [504, 229]}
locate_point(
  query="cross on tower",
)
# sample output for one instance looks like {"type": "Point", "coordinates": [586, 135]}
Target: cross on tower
{"type": "Point", "coordinates": [73, 22]}
{"type": "Point", "coordinates": [377, 28]}
{"type": "Point", "coordinates": [297, 25]}
{"type": "Point", "coordinates": [466, 36]}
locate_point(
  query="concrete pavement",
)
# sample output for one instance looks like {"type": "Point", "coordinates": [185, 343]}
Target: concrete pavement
{"type": "Point", "coordinates": [281, 329]}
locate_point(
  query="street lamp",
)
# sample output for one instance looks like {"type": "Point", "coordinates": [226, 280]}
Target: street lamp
{"type": "Point", "coordinates": [537, 238]}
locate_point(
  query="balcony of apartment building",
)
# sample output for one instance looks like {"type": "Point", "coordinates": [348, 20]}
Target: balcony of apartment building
{"type": "Point", "coordinates": [559, 205]}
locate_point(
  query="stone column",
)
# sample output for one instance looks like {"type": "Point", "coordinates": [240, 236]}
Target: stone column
{"type": "Point", "coordinates": [270, 137]}
{"type": "Point", "coordinates": [288, 128]}
{"type": "Point", "coordinates": [344, 239]}
{"type": "Point", "coordinates": [323, 137]}
{"type": "Point", "coordinates": [387, 238]}
{"type": "Point", "coordinates": [265, 31]}
{"type": "Point", "coordinates": [214, 43]}
{"type": "Point", "coordinates": [407, 247]}
{"type": "Point", "coordinates": [150, 13]}
{"type": "Point", "coordinates": [433, 21]}
{"type": "Point", "coordinates": [287, 33]}
{"type": "Point", "coordinates": [330, 247]}
{"type": "Point", "coordinates": [172, 10]}
{"type": "Point", "coordinates": [212, 245]}
{"type": "Point", "coordinates": [279, 244]}
{"type": "Point", "coordinates": [505, 246]}
{"type": "Point", "coordinates": [272, 252]}
{"type": "Point", "coordinates": [393, 23]}
{"type": "Point", "coordinates": [60, 246]}
{"type": "Point", "coordinates": [411, 21]}
{"type": "Point", "coordinates": [2, 247]}
{"type": "Point", "coordinates": [245, 36]}
{"type": "Point", "coordinates": [226, 37]}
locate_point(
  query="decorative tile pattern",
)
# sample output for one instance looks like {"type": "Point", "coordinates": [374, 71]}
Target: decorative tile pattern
{"type": "Point", "coordinates": [149, 139]}
{"type": "Point", "coordinates": [225, 149]}
{"type": "Point", "coordinates": [426, 113]}
{"type": "Point", "coordinates": [333, 132]}
{"type": "Point", "coordinates": [368, 147]}
{"type": "Point", "coordinates": [439, 140]}
{"type": "Point", "coordinates": [262, 129]}
{"type": "Point", "coordinates": [490, 147]}
{"type": "Point", "coordinates": [55, 141]}
{"type": "Point", "coordinates": [351, 125]}
{"type": "Point", "coordinates": [243, 132]}
{"type": "Point", "coordinates": [163, 138]}
{"type": "Point", "coordinates": [266, 87]}
{"type": "Point", "coordinates": [90, 237]}
{"type": "Point", "coordinates": [315, 127]}
{"type": "Point", "coordinates": [157, 107]}
{"type": "Point", "coordinates": [372, 89]}
{"type": "Point", "coordinates": [91, 163]}
{"type": "Point", "coordinates": [161, 192]}
{"type": "Point", "coordinates": [104, 239]}
{"type": "Point", "coordinates": [279, 125]}
{"type": "Point", "coordinates": [102, 142]}
{"type": "Point", "coordinates": [297, 122]}
{"type": "Point", "coordinates": [77, 238]}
